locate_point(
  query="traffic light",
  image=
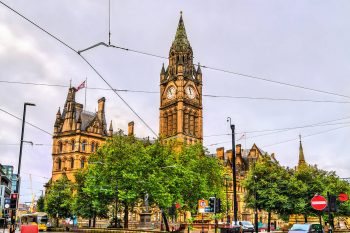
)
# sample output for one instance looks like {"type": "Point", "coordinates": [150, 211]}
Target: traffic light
{"type": "Point", "coordinates": [211, 204]}
{"type": "Point", "coordinates": [7, 203]}
{"type": "Point", "coordinates": [13, 202]}
{"type": "Point", "coordinates": [218, 205]}
{"type": "Point", "coordinates": [333, 203]}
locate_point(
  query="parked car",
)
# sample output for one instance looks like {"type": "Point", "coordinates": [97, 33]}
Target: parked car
{"type": "Point", "coordinates": [263, 227]}
{"type": "Point", "coordinates": [246, 226]}
{"type": "Point", "coordinates": [306, 228]}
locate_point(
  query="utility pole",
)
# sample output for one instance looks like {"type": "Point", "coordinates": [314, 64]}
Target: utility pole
{"type": "Point", "coordinates": [227, 216]}
{"type": "Point", "coordinates": [256, 206]}
{"type": "Point", "coordinates": [20, 159]}
{"type": "Point", "coordinates": [235, 209]}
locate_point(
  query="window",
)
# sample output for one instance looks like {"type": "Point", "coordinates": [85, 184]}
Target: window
{"type": "Point", "coordinates": [82, 162]}
{"type": "Point", "coordinates": [72, 145]}
{"type": "Point", "coordinates": [59, 163]}
{"type": "Point", "coordinates": [71, 163]}
{"type": "Point", "coordinates": [60, 147]}
{"type": "Point", "coordinates": [83, 146]}
{"type": "Point", "coordinates": [92, 147]}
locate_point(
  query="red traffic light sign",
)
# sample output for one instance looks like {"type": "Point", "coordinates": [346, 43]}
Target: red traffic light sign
{"type": "Point", "coordinates": [14, 196]}
{"type": "Point", "coordinates": [318, 202]}
{"type": "Point", "coordinates": [343, 197]}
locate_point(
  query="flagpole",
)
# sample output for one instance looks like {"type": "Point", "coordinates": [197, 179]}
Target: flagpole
{"type": "Point", "coordinates": [85, 93]}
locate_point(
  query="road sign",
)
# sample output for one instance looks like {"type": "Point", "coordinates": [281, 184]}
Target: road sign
{"type": "Point", "coordinates": [318, 202]}
{"type": "Point", "coordinates": [201, 205]}
{"type": "Point", "coordinates": [343, 197]}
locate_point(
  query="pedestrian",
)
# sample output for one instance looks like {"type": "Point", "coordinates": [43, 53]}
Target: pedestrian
{"type": "Point", "coordinates": [326, 229]}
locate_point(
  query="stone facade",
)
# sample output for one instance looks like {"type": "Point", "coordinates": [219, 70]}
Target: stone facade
{"type": "Point", "coordinates": [180, 112]}
{"type": "Point", "coordinates": [245, 159]}
{"type": "Point", "coordinates": [77, 133]}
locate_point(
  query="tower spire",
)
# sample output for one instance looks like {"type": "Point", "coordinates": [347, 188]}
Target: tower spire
{"type": "Point", "coordinates": [301, 154]}
{"type": "Point", "coordinates": [181, 41]}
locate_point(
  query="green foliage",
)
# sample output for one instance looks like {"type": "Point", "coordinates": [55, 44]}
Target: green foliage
{"type": "Point", "coordinates": [288, 191]}
{"type": "Point", "coordinates": [269, 182]}
{"type": "Point", "coordinates": [40, 204]}
{"type": "Point", "coordinates": [58, 200]}
{"type": "Point", "coordinates": [166, 174]}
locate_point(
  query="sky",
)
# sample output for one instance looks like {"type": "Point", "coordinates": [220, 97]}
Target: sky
{"type": "Point", "coordinates": [303, 43]}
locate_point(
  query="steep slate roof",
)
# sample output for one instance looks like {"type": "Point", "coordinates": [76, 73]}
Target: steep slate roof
{"type": "Point", "coordinates": [181, 42]}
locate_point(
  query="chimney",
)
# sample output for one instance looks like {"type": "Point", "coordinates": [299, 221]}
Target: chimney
{"type": "Point", "coordinates": [220, 153]}
{"type": "Point", "coordinates": [101, 105]}
{"type": "Point", "coordinates": [229, 155]}
{"type": "Point", "coordinates": [130, 128]}
{"type": "Point", "coordinates": [238, 149]}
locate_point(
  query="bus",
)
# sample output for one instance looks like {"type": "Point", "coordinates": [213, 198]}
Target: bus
{"type": "Point", "coordinates": [38, 218]}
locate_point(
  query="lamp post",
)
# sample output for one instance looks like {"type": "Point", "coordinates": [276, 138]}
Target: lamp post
{"type": "Point", "coordinates": [227, 215]}
{"type": "Point", "coordinates": [233, 170]}
{"type": "Point", "coordinates": [256, 206]}
{"type": "Point", "coordinates": [21, 147]}
{"type": "Point", "coordinates": [116, 204]}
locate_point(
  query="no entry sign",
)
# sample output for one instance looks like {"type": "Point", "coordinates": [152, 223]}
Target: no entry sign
{"type": "Point", "coordinates": [343, 197]}
{"type": "Point", "coordinates": [318, 202]}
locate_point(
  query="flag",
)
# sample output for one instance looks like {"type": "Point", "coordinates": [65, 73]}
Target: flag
{"type": "Point", "coordinates": [81, 86]}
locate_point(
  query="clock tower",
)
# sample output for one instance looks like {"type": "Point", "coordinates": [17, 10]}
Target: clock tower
{"type": "Point", "coordinates": [181, 115]}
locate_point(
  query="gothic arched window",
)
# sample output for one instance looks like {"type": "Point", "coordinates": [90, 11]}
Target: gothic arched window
{"type": "Point", "coordinates": [72, 145]}
{"type": "Point", "coordinates": [60, 147]}
{"type": "Point", "coordinates": [83, 146]}
{"type": "Point", "coordinates": [71, 163]}
{"type": "Point", "coordinates": [59, 163]}
{"type": "Point", "coordinates": [82, 162]}
{"type": "Point", "coordinates": [92, 147]}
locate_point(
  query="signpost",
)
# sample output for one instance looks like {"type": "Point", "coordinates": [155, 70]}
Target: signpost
{"type": "Point", "coordinates": [318, 202]}
{"type": "Point", "coordinates": [202, 204]}
{"type": "Point", "coordinates": [343, 197]}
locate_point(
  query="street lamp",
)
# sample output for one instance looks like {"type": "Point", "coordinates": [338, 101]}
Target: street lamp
{"type": "Point", "coordinates": [234, 171]}
{"type": "Point", "coordinates": [21, 147]}
{"type": "Point", "coordinates": [256, 205]}
{"type": "Point", "coordinates": [227, 215]}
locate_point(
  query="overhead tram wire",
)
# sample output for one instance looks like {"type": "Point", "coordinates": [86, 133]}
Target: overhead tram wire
{"type": "Point", "coordinates": [323, 123]}
{"type": "Point", "coordinates": [204, 95]}
{"type": "Point", "coordinates": [204, 66]}
{"type": "Point", "coordinates": [289, 140]}
{"type": "Point", "coordinates": [18, 118]}
{"type": "Point", "coordinates": [309, 135]}
{"type": "Point", "coordinates": [78, 52]}
{"type": "Point", "coordinates": [121, 98]}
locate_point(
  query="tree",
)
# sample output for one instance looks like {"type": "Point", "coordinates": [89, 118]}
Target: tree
{"type": "Point", "coordinates": [160, 171]}
{"type": "Point", "coordinates": [58, 200]}
{"type": "Point", "coordinates": [40, 204]}
{"type": "Point", "coordinates": [270, 183]}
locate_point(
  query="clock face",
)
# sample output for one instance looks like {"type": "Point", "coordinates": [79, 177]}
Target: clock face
{"type": "Point", "coordinates": [170, 93]}
{"type": "Point", "coordinates": [190, 92]}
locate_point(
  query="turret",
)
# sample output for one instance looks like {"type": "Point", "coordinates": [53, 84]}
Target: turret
{"type": "Point", "coordinates": [101, 115]}
{"type": "Point", "coordinates": [69, 111]}
{"type": "Point", "coordinates": [57, 121]}
{"type": "Point", "coordinates": [301, 161]}
{"type": "Point", "coordinates": [162, 73]}
{"type": "Point", "coordinates": [79, 123]}
{"type": "Point", "coordinates": [110, 131]}
{"type": "Point", "coordinates": [131, 128]}
{"type": "Point", "coordinates": [199, 73]}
